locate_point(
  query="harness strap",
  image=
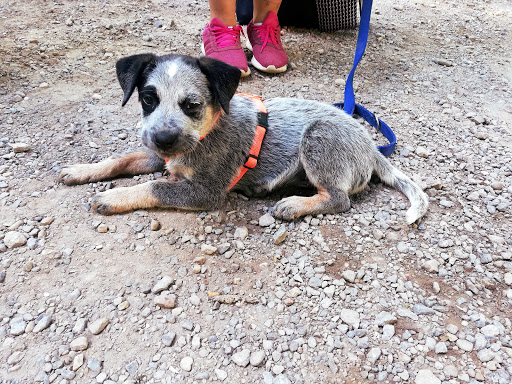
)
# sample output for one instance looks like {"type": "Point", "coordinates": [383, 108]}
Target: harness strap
{"type": "Point", "coordinates": [261, 129]}
{"type": "Point", "coordinates": [350, 106]}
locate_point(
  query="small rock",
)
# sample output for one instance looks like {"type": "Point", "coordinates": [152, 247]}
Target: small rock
{"type": "Point", "coordinates": [79, 344]}
{"type": "Point", "coordinates": [350, 317]}
{"type": "Point", "coordinates": [102, 228]}
{"type": "Point", "coordinates": [186, 363]}
{"type": "Point", "coordinates": [14, 239]}
{"type": "Point", "coordinates": [385, 318]}
{"type": "Point", "coordinates": [15, 358]}
{"type": "Point", "coordinates": [78, 361]}
{"type": "Point", "coordinates": [221, 374]}
{"type": "Point", "coordinates": [465, 345]}
{"type": "Point", "coordinates": [164, 283]}
{"type": "Point", "coordinates": [266, 220]}
{"type": "Point", "coordinates": [280, 234]}
{"type": "Point", "coordinates": [17, 326]}
{"type": "Point", "coordinates": [155, 225]}
{"type": "Point", "coordinates": [373, 355]}
{"type": "Point", "coordinates": [241, 233]}
{"type": "Point", "coordinates": [98, 325]}
{"type": "Point", "coordinates": [485, 355]}
{"type": "Point", "coordinates": [43, 323]}
{"type": "Point", "coordinates": [349, 275]}
{"type": "Point", "coordinates": [426, 376]}
{"type": "Point", "coordinates": [441, 348]}
{"type": "Point", "coordinates": [165, 300]}
{"type": "Point", "coordinates": [431, 266]}
{"type": "Point", "coordinates": [208, 249]}
{"type": "Point", "coordinates": [257, 358]}
{"type": "Point", "coordinates": [242, 358]}
{"type": "Point", "coordinates": [20, 147]}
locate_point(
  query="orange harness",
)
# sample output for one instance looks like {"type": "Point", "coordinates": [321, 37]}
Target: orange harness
{"type": "Point", "coordinates": [261, 129]}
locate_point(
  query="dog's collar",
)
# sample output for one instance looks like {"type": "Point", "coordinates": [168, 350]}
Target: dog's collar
{"type": "Point", "coordinates": [261, 129]}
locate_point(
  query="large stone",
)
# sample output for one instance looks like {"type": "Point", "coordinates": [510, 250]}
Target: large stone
{"type": "Point", "coordinates": [14, 239]}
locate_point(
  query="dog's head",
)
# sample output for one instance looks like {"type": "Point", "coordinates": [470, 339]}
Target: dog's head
{"type": "Point", "coordinates": [180, 96]}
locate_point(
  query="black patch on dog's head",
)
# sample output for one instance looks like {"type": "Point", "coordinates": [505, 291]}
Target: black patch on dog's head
{"type": "Point", "coordinates": [132, 72]}
{"type": "Point", "coordinates": [223, 79]}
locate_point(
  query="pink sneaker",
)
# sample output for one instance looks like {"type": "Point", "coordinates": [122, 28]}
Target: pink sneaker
{"type": "Point", "coordinates": [223, 43]}
{"type": "Point", "coordinates": [265, 43]}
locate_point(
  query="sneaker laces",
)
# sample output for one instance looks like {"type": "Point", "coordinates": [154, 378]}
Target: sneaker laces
{"type": "Point", "coordinates": [268, 34]}
{"type": "Point", "coordinates": [226, 37]}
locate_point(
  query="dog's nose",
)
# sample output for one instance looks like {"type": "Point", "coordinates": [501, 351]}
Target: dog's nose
{"type": "Point", "coordinates": [164, 139]}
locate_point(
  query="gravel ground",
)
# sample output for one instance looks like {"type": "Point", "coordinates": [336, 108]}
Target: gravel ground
{"type": "Point", "coordinates": [234, 296]}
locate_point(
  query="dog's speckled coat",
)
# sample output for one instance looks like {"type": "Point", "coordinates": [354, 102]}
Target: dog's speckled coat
{"type": "Point", "coordinates": [305, 141]}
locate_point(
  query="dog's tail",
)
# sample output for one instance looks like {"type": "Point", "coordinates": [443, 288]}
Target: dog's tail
{"type": "Point", "coordinates": [398, 180]}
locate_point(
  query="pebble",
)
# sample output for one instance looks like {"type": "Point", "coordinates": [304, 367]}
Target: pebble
{"type": "Point", "coordinates": [98, 325]}
{"type": "Point", "coordinates": [102, 228]}
{"type": "Point", "coordinates": [373, 355]}
{"type": "Point", "coordinates": [165, 300]}
{"type": "Point", "coordinates": [42, 324]}
{"type": "Point", "coordinates": [221, 374]}
{"type": "Point", "coordinates": [241, 233]}
{"type": "Point", "coordinates": [257, 358]}
{"type": "Point", "coordinates": [186, 363]}
{"type": "Point", "coordinates": [464, 345]}
{"type": "Point", "coordinates": [14, 239]}
{"type": "Point", "coordinates": [280, 235]}
{"type": "Point", "coordinates": [242, 358]}
{"type": "Point", "coordinates": [266, 220]}
{"type": "Point", "coordinates": [20, 147]}
{"type": "Point", "coordinates": [431, 266]}
{"type": "Point", "coordinates": [15, 358]}
{"type": "Point", "coordinates": [485, 355]}
{"type": "Point", "coordinates": [17, 325]}
{"type": "Point", "coordinates": [79, 344]}
{"type": "Point", "coordinates": [441, 348]}
{"type": "Point", "coordinates": [426, 376]}
{"type": "Point", "coordinates": [385, 318]}
{"type": "Point", "coordinates": [350, 317]}
{"type": "Point", "coordinates": [78, 361]}
{"type": "Point", "coordinates": [155, 225]}
{"type": "Point", "coordinates": [164, 283]}
{"type": "Point", "coordinates": [349, 275]}
{"type": "Point", "coordinates": [209, 249]}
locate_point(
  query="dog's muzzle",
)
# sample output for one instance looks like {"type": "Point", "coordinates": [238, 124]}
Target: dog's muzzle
{"type": "Point", "coordinates": [165, 139]}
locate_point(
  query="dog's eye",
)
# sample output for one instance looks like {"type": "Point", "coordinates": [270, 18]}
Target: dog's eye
{"type": "Point", "coordinates": [192, 105]}
{"type": "Point", "coordinates": [148, 100]}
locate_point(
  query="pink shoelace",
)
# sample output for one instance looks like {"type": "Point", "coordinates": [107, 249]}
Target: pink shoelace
{"type": "Point", "coordinates": [226, 37]}
{"type": "Point", "coordinates": [268, 34]}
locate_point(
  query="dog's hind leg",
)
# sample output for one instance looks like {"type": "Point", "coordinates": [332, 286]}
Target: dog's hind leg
{"type": "Point", "coordinates": [325, 201]}
{"type": "Point", "coordinates": [131, 164]}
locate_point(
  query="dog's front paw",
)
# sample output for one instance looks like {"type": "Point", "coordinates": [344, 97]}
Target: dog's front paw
{"type": "Point", "coordinates": [104, 203]}
{"type": "Point", "coordinates": [287, 209]}
{"type": "Point", "coordinates": [75, 174]}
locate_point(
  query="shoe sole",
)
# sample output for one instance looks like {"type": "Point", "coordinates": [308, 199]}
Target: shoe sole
{"type": "Point", "coordinates": [255, 63]}
{"type": "Point", "coordinates": [244, 73]}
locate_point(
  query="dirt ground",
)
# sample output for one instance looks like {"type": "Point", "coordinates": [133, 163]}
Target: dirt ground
{"type": "Point", "coordinates": [438, 72]}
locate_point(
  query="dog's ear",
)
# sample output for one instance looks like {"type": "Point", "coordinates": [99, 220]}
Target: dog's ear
{"type": "Point", "coordinates": [129, 70]}
{"type": "Point", "coordinates": [223, 79]}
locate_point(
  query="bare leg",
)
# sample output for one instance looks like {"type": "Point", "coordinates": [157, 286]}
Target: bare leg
{"type": "Point", "coordinates": [131, 164]}
{"type": "Point", "coordinates": [224, 10]}
{"type": "Point", "coordinates": [262, 8]}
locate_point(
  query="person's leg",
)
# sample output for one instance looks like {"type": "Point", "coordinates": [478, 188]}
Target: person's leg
{"type": "Point", "coordinates": [264, 37]}
{"type": "Point", "coordinates": [221, 37]}
{"type": "Point", "coordinates": [262, 8]}
{"type": "Point", "coordinates": [224, 10]}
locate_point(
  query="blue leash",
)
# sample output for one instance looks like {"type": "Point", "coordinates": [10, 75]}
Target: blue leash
{"type": "Point", "coordinates": [350, 106]}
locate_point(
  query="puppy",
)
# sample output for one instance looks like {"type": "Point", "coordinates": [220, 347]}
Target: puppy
{"type": "Point", "coordinates": [192, 117]}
